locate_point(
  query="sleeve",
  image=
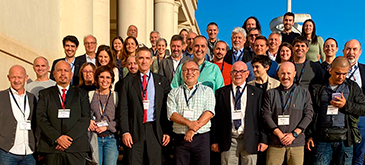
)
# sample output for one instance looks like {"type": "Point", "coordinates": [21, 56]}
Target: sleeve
{"type": "Point", "coordinates": [307, 111]}
{"type": "Point", "coordinates": [52, 69]}
{"type": "Point", "coordinates": [177, 80]}
{"type": "Point", "coordinates": [123, 107]}
{"type": "Point", "coordinates": [161, 69]}
{"type": "Point", "coordinates": [262, 129]}
{"type": "Point", "coordinates": [355, 106]}
{"type": "Point", "coordinates": [266, 111]}
{"type": "Point", "coordinates": [171, 103]}
{"type": "Point", "coordinates": [219, 78]}
{"type": "Point", "coordinates": [210, 104]}
{"type": "Point", "coordinates": [320, 45]}
{"type": "Point", "coordinates": [166, 124]}
{"type": "Point", "coordinates": [214, 128]}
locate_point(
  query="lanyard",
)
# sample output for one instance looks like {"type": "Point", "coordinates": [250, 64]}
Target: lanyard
{"type": "Point", "coordinates": [352, 74]}
{"type": "Point", "coordinates": [101, 106]}
{"type": "Point", "coordinates": [158, 61]}
{"type": "Point", "coordinates": [234, 97]}
{"type": "Point", "coordinates": [145, 90]}
{"type": "Point", "coordinates": [301, 73]}
{"type": "Point", "coordinates": [173, 69]}
{"type": "Point", "coordinates": [201, 70]}
{"type": "Point", "coordinates": [25, 102]}
{"type": "Point", "coordinates": [285, 106]}
{"type": "Point", "coordinates": [222, 67]}
{"type": "Point", "coordinates": [239, 57]}
{"type": "Point", "coordinates": [187, 99]}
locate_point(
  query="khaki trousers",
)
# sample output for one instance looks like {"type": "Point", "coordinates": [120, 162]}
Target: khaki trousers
{"type": "Point", "coordinates": [294, 155]}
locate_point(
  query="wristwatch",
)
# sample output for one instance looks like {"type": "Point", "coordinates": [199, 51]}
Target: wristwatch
{"type": "Point", "coordinates": [295, 134]}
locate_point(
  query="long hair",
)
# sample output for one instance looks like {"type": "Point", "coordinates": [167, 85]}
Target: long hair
{"type": "Point", "coordinates": [105, 48]}
{"type": "Point", "coordinates": [314, 36]}
{"type": "Point", "coordinates": [114, 52]}
{"type": "Point", "coordinates": [125, 54]}
{"type": "Point", "coordinates": [81, 76]}
{"type": "Point", "coordinates": [278, 58]}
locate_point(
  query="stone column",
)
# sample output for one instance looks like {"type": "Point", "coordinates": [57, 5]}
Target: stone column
{"type": "Point", "coordinates": [177, 5]}
{"type": "Point", "coordinates": [101, 21]}
{"type": "Point", "coordinates": [164, 18]}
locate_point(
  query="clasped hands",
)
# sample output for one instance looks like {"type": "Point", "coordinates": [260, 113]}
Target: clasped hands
{"type": "Point", "coordinates": [63, 142]}
{"type": "Point", "coordinates": [194, 126]}
{"type": "Point", "coordinates": [287, 139]}
{"type": "Point", "coordinates": [94, 127]}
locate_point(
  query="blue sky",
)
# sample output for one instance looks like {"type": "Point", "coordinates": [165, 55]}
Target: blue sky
{"type": "Point", "coordinates": [342, 20]}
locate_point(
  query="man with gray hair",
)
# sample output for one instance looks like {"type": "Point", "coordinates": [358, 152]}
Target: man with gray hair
{"type": "Point", "coordinates": [90, 44]}
{"type": "Point", "coordinates": [238, 53]}
{"type": "Point", "coordinates": [274, 43]}
{"type": "Point", "coordinates": [154, 36]}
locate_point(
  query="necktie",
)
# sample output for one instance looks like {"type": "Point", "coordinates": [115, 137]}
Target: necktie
{"type": "Point", "coordinates": [144, 95]}
{"type": "Point", "coordinates": [237, 102]}
{"type": "Point", "coordinates": [63, 98]}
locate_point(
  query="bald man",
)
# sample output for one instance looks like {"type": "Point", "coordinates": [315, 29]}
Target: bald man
{"type": "Point", "coordinates": [287, 111]}
{"type": "Point", "coordinates": [337, 104]}
{"type": "Point", "coordinates": [17, 121]}
{"type": "Point", "coordinates": [63, 115]}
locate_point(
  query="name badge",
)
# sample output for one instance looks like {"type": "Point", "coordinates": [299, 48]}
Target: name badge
{"type": "Point", "coordinates": [236, 115]}
{"type": "Point", "coordinates": [64, 113]}
{"type": "Point", "coordinates": [188, 113]}
{"type": "Point", "coordinates": [332, 110]}
{"type": "Point", "coordinates": [102, 124]}
{"type": "Point", "coordinates": [283, 119]}
{"type": "Point", "coordinates": [146, 104]}
{"type": "Point", "coordinates": [25, 125]}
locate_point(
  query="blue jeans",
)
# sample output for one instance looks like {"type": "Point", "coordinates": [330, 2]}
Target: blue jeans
{"type": "Point", "coordinates": [108, 150]}
{"type": "Point", "coordinates": [325, 151]}
{"type": "Point", "coordinates": [7, 158]}
{"type": "Point", "coordinates": [359, 148]}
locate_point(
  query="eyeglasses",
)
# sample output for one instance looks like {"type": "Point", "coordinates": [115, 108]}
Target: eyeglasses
{"type": "Point", "coordinates": [106, 77]}
{"type": "Point", "coordinates": [87, 72]}
{"type": "Point", "coordinates": [238, 71]}
{"type": "Point", "coordinates": [90, 43]}
{"type": "Point", "coordinates": [251, 35]}
{"type": "Point", "coordinates": [191, 70]}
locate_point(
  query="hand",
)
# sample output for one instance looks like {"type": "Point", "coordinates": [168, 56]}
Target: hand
{"type": "Point", "coordinates": [287, 139]}
{"type": "Point", "coordinates": [194, 125]}
{"type": "Point", "coordinates": [127, 140]}
{"type": "Point", "coordinates": [64, 141]}
{"type": "Point", "coordinates": [339, 102]}
{"type": "Point", "coordinates": [92, 126]}
{"type": "Point", "coordinates": [100, 130]}
{"type": "Point", "coordinates": [309, 144]}
{"type": "Point", "coordinates": [214, 147]}
{"type": "Point", "coordinates": [262, 147]}
{"type": "Point", "coordinates": [58, 147]}
{"type": "Point", "coordinates": [189, 135]}
{"type": "Point", "coordinates": [165, 139]}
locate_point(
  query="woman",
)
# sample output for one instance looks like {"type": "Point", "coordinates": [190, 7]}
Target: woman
{"type": "Point", "coordinates": [251, 22]}
{"type": "Point", "coordinates": [315, 52]}
{"type": "Point", "coordinates": [130, 47]}
{"type": "Point", "coordinates": [117, 48]}
{"type": "Point", "coordinates": [285, 53]}
{"type": "Point", "coordinates": [161, 47]}
{"type": "Point", "coordinates": [103, 109]}
{"type": "Point", "coordinates": [184, 34]}
{"type": "Point", "coordinates": [86, 76]}
{"type": "Point", "coordinates": [330, 48]}
{"type": "Point", "coordinates": [104, 58]}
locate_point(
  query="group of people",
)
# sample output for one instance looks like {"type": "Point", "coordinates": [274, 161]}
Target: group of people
{"type": "Point", "coordinates": [287, 99]}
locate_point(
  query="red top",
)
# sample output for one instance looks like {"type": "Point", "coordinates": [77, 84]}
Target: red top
{"type": "Point", "coordinates": [227, 68]}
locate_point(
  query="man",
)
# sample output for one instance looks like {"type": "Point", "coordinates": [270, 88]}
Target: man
{"type": "Point", "coordinates": [132, 31]}
{"type": "Point", "coordinates": [220, 51]}
{"type": "Point", "coordinates": [337, 104]}
{"type": "Point", "coordinates": [63, 115]}
{"type": "Point", "coordinates": [41, 68]}
{"type": "Point", "coordinates": [236, 130]}
{"type": "Point", "coordinates": [90, 44]}
{"type": "Point", "coordinates": [210, 74]}
{"type": "Point", "coordinates": [189, 42]}
{"type": "Point", "coordinates": [169, 65]}
{"type": "Point", "coordinates": [17, 120]}
{"type": "Point", "coordinates": [287, 34]}
{"type": "Point", "coordinates": [154, 36]}
{"type": "Point", "coordinates": [238, 53]}
{"type": "Point", "coordinates": [252, 34]}
{"type": "Point", "coordinates": [212, 31]}
{"type": "Point", "coordinates": [352, 52]}
{"type": "Point", "coordinates": [191, 106]}
{"type": "Point", "coordinates": [261, 65]}
{"type": "Point", "coordinates": [307, 72]}
{"type": "Point", "coordinates": [144, 126]}
{"type": "Point", "coordinates": [287, 111]}
{"type": "Point", "coordinates": [70, 45]}
{"type": "Point", "coordinates": [274, 43]}
{"type": "Point", "coordinates": [260, 48]}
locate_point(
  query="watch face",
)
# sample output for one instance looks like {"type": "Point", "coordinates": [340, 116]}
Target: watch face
{"type": "Point", "coordinates": [295, 134]}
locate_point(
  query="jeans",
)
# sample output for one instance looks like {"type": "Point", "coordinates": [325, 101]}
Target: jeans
{"type": "Point", "coordinates": [108, 150]}
{"type": "Point", "coordinates": [337, 151]}
{"type": "Point", "coordinates": [7, 158]}
{"type": "Point", "coordinates": [359, 148]}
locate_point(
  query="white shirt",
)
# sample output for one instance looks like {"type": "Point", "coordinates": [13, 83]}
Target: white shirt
{"type": "Point", "coordinates": [21, 141]}
{"type": "Point", "coordinates": [356, 76]}
{"type": "Point", "coordinates": [272, 56]}
{"type": "Point", "coordinates": [243, 109]}
{"type": "Point", "coordinates": [88, 59]}
{"type": "Point", "coordinates": [60, 91]}
{"type": "Point", "coordinates": [175, 64]}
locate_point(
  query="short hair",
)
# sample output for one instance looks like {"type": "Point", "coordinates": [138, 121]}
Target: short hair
{"type": "Point", "coordinates": [300, 39]}
{"type": "Point", "coordinates": [220, 41]}
{"type": "Point", "coordinates": [100, 70]}
{"type": "Point", "coordinates": [189, 60]}
{"type": "Point", "coordinates": [177, 38]}
{"type": "Point", "coordinates": [289, 14]}
{"type": "Point", "coordinates": [81, 77]}
{"type": "Point", "coordinates": [183, 30]}
{"type": "Point", "coordinates": [252, 29]}
{"type": "Point", "coordinates": [262, 38]}
{"type": "Point", "coordinates": [212, 23]}
{"type": "Point", "coordinates": [161, 39]}
{"type": "Point", "coordinates": [277, 33]}
{"type": "Point", "coordinates": [313, 35]}
{"type": "Point", "coordinates": [341, 62]}
{"type": "Point", "coordinates": [263, 60]}
{"type": "Point", "coordinates": [139, 50]}
{"type": "Point", "coordinates": [90, 36]}
{"type": "Point", "coordinates": [41, 57]}
{"type": "Point", "coordinates": [239, 30]}
{"type": "Point", "coordinates": [278, 58]}
{"type": "Point", "coordinates": [70, 38]}
{"type": "Point", "coordinates": [155, 31]}
{"type": "Point", "coordinates": [351, 40]}
{"type": "Point", "coordinates": [201, 36]}
{"type": "Point", "coordinates": [105, 48]}
{"type": "Point", "coordinates": [258, 25]}
{"type": "Point", "coordinates": [330, 38]}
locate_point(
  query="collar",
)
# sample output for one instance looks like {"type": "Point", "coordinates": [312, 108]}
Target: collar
{"type": "Point", "coordinates": [87, 56]}
{"type": "Point", "coordinates": [285, 90]}
{"type": "Point", "coordinates": [354, 66]}
{"type": "Point", "coordinates": [236, 52]}
{"type": "Point", "coordinates": [16, 92]}
{"type": "Point", "coordinates": [235, 86]}
{"type": "Point", "coordinates": [72, 61]}
{"type": "Point", "coordinates": [60, 88]}
{"type": "Point", "coordinates": [148, 73]}
{"type": "Point", "coordinates": [194, 87]}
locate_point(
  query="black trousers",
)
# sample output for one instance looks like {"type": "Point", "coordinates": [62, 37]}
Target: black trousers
{"type": "Point", "coordinates": [149, 148]}
{"type": "Point", "coordinates": [197, 152]}
{"type": "Point", "coordinates": [65, 158]}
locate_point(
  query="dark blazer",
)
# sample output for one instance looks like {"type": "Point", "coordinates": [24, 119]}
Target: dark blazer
{"type": "Point", "coordinates": [52, 127]}
{"type": "Point", "coordinates": [81, 59]}
{"type": "Point", "coordinates": [131, 108]}
{"type": "Point", "coordinates": [167, 67]}
{"type": "Point", "coordinates": [221, 131]}
{"type": "Point", "coordinates": [246, 57]}
{"type": "Point", "coordinates": [8, 122]}
{"type": "Point", "coordinates": [362, 74]}
{"type": "Point", "coordinates": [75, 77]}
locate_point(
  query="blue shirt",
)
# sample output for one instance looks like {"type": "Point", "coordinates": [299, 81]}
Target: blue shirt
{"type": "Point", "coordinates": [150, 96]}
{"type": "Point", "coordinates": [236, 55]}
{"type": "Point", "coordinates": [272, 71]}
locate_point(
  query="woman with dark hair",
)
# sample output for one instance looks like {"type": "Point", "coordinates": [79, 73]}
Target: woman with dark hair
{"type": "Point", "coordinates": [117, 47]}
{"type": "Point", "coordinates": [103, 103]}
{"type": "Point", "coordinates": [104, 57]}
{"type": "Point", "coordinates": [130, 47]}
{"type": "Point", "coordinates": [184, 34]}
{"type": "Point", "coordinates": [285, 52]}
{"type": "Point", "coordinates": [251, 22]}
{"type": "Point", "coordinates": [315, 52]}
{"type": "Point", "coordinates": [86, 76]}
{"type": "Point", "coordinates": [161, 47]}
{"type": "Point", "coordinates": [330, 48]}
